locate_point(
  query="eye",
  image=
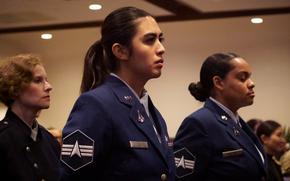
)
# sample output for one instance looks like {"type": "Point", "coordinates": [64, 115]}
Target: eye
{"type": "Point", "coordinates": [150, 40]}
{"type": "Point", "coordinates": [38, 80]}
{"type": "Point", "coordinates": [243, 77]}
{"type": "Point", "coordinates": [161, 39]}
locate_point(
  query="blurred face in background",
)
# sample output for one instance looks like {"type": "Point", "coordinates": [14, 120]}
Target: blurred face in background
{"type": "Point", "coordinates": [275, 143]}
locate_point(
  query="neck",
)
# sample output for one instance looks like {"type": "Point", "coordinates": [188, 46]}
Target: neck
{"type": "Point", "coordinates": [25, 114]}
{"type": "Point", "coordinates": [229, 106]}
{"type": "Point", "coordinates": [272, 152]}
{"type": "Point", "coordinates": [133, 82]}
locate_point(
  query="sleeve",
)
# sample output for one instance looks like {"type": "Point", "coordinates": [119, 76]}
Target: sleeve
{"type": "Point", "coordinates": [192, 150]}
{"type": "Point", "coordinates": [87, 137]}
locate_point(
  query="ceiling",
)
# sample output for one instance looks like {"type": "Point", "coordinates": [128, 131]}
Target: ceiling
{"type": "Point", "coordinates": [75, 27]}
{"type": "Point", "coordinates": [36, 15]}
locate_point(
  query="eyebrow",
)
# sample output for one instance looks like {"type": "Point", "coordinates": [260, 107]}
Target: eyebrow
{"type": "Point", "coordinates": [39, 76]}
{"type": "Point", "coordinates": [246, 73]}
{"type": "Point", "coordinates": [153, 34]}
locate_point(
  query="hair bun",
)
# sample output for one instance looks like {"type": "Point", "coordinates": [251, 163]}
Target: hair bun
{"type": "Point", "coordinates": [197, 91]}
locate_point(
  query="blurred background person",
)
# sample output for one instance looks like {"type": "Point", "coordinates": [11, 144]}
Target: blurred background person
{"type": "Point", "coordinates": [56, 133]}
{"type": "Point", "coordinates": [272, 136]}
{"type": "Point", "coordinates": [285, 164]}
{"type": "Point", "coordinates": [254, 124]}
{"type": "Point", "coordinates": [28, 152]}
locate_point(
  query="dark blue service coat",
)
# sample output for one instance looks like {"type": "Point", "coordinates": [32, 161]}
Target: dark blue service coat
{"type": "Point", "coordinates": [209, 145]}
{"type": "Point", "coordinates": [108, 136]}
{"type": "Point", "coordinates": [22, 158]}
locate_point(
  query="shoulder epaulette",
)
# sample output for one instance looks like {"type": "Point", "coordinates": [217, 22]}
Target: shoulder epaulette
{"type": "Point", "coordinates": [3, 125]}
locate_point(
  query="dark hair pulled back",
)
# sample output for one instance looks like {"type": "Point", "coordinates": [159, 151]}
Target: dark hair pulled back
{"type": "Point", "coordinates": [118, 27]}
{"type": "Point", "coordinates": [267, 128]}
{"type": "Point", "coordinates": [215, 65]}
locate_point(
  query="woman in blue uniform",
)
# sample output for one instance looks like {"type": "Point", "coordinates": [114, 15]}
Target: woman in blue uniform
{"type": "Point", "coordinates": [28, 152]}
{"type": "Point", "coordinates": [214, 143]}
{"type": "Point", "coordinates": [114, 132]}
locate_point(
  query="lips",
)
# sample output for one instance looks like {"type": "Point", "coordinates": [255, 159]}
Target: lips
{"type": "Point", "coordinates": [159, 61]}
{"type": "Point", "coordinates": [46, 97]}
{"type": "Point", "coordinates": [251, 94]}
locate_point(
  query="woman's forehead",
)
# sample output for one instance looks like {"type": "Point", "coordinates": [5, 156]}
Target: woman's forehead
{"type": "Point", "coordinates": [147, 25]}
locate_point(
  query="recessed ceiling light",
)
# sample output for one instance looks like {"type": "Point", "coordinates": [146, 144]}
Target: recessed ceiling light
{"type": "Point", "coordinates": [46, 36]}
{"type": "Point", "coordinates": [95, 7]}
{"type": "Point", "coordinates": [257, 20]}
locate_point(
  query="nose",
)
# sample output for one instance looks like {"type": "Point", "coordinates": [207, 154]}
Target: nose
{"type": "Point", "coordinates": [47, 86]}
{"type": "Point", "coordinates": [284, 141]}
{"type": "Point", "coordinates": [251, 84]}
{"type": "Point", "coordinates": [161, 48]}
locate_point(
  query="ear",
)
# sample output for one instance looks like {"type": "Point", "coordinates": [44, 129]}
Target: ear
{"type": "Point", "coordinates": [264, 138]}
{"type": "Point", "coordinates": [218, 82]}
{"type": "Point", "coordinates": [120, 51]}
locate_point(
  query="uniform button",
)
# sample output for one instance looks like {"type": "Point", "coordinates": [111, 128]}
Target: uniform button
{"type": "Point", "coordinates": [5, 122]}
{"type": "Point", "coordinates": [163, 177]}
{"type": "Point", "coordinates": [35, 165]}
{"type": "Point", "coordinates": [27, 149]}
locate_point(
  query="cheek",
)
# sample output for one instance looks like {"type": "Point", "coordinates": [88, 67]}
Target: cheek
{"type": "Point", "coordinates": [238, 91]}
{"type": "Point", "coordinates": [277, 144]}
{"type": "Point", "coordinates": [234, 91]}
{"type": "Point", "coordinates": [31, 93]}
{"type": "Point", "coordinates": [239, 87]}
{"type": "Point", "coordinates": [143, 58]}
{"type": "Point", "coordinates": [142, 61]}
{"type": "Point", "coordinates": [142, 53]}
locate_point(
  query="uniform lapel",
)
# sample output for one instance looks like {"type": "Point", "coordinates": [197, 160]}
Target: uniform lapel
{"type": "Point", "coordinates": [236, 132]}
{"type": "Point", "coordinates": [137, 113]}
{"type": "Point", "coordinates": [160, 124]}
{"type": "Point", "coordinates": [244, 140]}
{"type": "Point", "coordinates": [142, 121]}
{"type": "Point", "coordinates": [254, 140]}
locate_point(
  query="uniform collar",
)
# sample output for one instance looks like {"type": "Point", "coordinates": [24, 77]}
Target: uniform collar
{"type": "Point", "coordinates": [143, 100]}
{"type": "Point", "coordinates": [32, 132]}
{"type": "Point", "coordinates": [233, 116]}
{"type": "Point", "coordinates": [144, 92]}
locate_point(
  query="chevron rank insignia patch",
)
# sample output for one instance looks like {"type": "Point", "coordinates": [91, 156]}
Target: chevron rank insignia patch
{"type": "Point", "coordinates": [77, 150]}
{"type": "Point", "coordinates": [184, 162]}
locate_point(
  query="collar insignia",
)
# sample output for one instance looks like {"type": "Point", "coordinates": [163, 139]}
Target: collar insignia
{"type": "Point", "coordinates": [224, 117]}
{"type": "Point", "coordinates": [140, 117]}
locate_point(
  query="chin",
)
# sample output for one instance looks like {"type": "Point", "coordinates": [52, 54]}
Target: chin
{"type": "Point", "coordinates": [44, 106]}
{"type": "Point", "coordinates": [252, 102]}
{"type": "Point", "coordinates": [156, 74]}
{"type": "Point", "coordinates": [249, 103]}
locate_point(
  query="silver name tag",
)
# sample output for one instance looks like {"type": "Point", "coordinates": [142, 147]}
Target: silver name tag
{"type": "Point", "coordinates": [139, 144]}
{"type": "Point", "coordinates": [233, 152]}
